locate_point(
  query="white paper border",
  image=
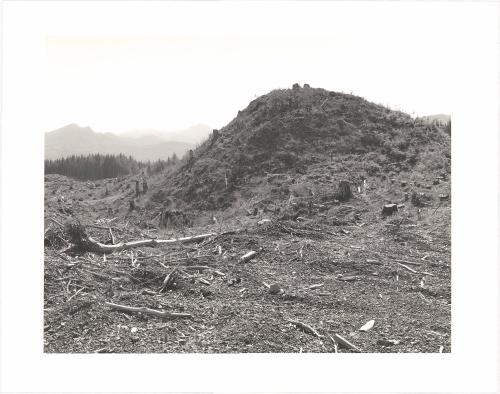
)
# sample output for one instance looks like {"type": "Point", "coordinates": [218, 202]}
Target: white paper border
{"type": "Point", "coordinates": [472, 366]}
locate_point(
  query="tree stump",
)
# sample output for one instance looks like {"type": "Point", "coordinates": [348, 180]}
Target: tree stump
{"type": "Point", "coordinates": [144, 186]}
{"type": "Point", "coordinates": [137, 191]}
{"type": "Point", "coordinates": [344, 192]}
{"type": "Point", "coordinates": [389, 209]}
{"type": "Point", "coordinates": [132, 205]}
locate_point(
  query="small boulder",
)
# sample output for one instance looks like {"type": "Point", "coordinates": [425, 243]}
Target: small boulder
{"type": "Point", "coordinates": [274, 288]}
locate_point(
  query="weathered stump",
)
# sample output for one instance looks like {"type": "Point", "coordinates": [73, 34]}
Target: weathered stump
{"type": "Point", "coordinates": [174, 218]}
{"type": "Point", "coordinates": [389, 209]}
{"type": "Point", "coordinates": [137, 191]}
{"type": "Point", "coordinates": [344, 192]}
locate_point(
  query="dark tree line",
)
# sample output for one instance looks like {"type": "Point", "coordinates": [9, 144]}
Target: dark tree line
{"type": "Point", "coordinates": [93, 166]}
{"type": "Point", "coordinates": [99, 166]}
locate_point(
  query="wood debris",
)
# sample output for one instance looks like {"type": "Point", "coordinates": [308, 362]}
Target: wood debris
{"type": "Point", "coordinates": [305, 327]}
{"type": "Point", "coordinates": [247, 256]}
{"type": "Point", "coordinates": [367, 326]}
{"type": "Point", "coordinates": [97, 247]}
{"type": "Point", "coordinates": [348, 278]}
{"type": "Point", "coordinates": [344, 342]}
{"type": "Point", "coordinates": [159, 313]}
{"type": "Point", "coordinates": [388, 342]}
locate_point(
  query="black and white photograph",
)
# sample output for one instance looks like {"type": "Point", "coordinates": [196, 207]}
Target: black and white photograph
{"type": "Point", "coordinates": [250, 178]}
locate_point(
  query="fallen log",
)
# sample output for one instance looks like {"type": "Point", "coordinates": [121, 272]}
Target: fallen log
{"type": "Point", "coordinates": [92, 245]}
{"type": "Point", "coordinates": [147, 311]}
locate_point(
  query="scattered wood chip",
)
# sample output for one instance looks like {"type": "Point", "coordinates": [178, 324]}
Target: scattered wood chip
{"type": "Point", "coordinates": [204, 281]}
{"type": "Point", "coordinates": [388, 342]}
{"type": "Point", "coordinates": [218, 273]}
{"type": "Point", "coordinates": [344, 342]}
{"type": "Point", "coordinates": [248, 256]}
{"type": "Point", "coordinates": [407, 262]}
{"type": "Point", "coordinates": [368, 326]}
{"type": "Point", "coordinates": [370, 261]}
{"type": "Point", "coordinates": [196, 267]}
{"type": "Point", "coordinates": [348, 278]}
{"type": "Point", "coordinates": [317, 286]}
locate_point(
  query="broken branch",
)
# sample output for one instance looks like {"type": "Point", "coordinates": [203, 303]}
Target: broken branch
{"type": "Point", "coordinates": [344, 342]}
{"type": "Point", "coordinates": [248, 256]}
{"type": "Point", "coordinates": [305, 327]}
{"type": "Point", "coordinates": [147, 311]}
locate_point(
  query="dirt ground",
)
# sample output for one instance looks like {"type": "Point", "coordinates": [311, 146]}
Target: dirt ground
{"type": "Point", "coordinates": [335, 267]}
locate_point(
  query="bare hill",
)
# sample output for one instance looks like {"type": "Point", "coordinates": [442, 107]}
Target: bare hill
{"type": "Point", "coordinates": [306, 133]}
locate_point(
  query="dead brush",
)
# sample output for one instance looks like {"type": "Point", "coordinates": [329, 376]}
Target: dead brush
{"type": "Point", "coordinates": [420, 199]}
{"type": "Point", "coordinates": [77, 235]}
{"type": "Point", "coordinates": [54, 238]}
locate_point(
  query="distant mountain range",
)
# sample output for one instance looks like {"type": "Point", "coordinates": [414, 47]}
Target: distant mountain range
{"type": "Point", "coordinates": [143, 145]}
{"type": "Point", "coordinates": [192, 135]}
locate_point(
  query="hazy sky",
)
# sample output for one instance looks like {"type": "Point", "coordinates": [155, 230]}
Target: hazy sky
{"type": "Point", "coordinates": [169, 65]}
